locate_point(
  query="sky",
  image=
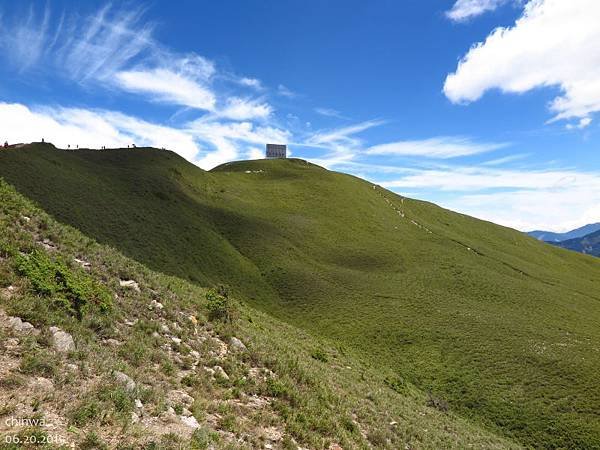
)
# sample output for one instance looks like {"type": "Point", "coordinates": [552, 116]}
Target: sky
{"type": "Point", "coordinates": [486, 107]}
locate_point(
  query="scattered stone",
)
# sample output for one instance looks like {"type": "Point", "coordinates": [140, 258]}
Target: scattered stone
{"type": "Point", "coordinates": [194, 354]}
{"type": "Point", "coordinates": [393, 422]}
{"type": "Point", "coordinates": [125, 380]}
{"type": "Point", "coordinates": [176, 340]}
{"type": "Point", "coordinates": [164, 328]}
{"type": "Point", "coordinates": [61, 340]}
{"type": "Point", "coordinates": [237, 345]}
{"type": "Point", "coordinates": [83, 263]}
{"type": "Point", "coordinates": [26, 218]}
{"type": "Point", "coordinates": [169, 415]}
{"type": "Point", "coordinates": [72, 367]}
{"type": "Point", "coordinates": [179, 396]}
{"type": "Point", "coordinates": [130, 323]}
{"type": "Point", "coordinates": [193, 320]}
{"type": "Point", "coordinates": [155, 334]}
{"type": "Point", "coordinates": [219, 372]}
{"type": "Point", "coordinates": [112, 342]}
{"type": "Point", "coordinates": [155, 305]}
{"type": "Point", "coordinates": [41, 384]}
{"type": "Point", "coordinates": [272, 434]}
{"type": "Point", "coordinates": [190, 421]}
{"type": "Point", "coordinates": [19, 326]}
{"type": "Point", "coordinates": [11, 344]}
{"type": "Point", "coordinates": [48, 244]}
{"type": "Point", "coordinates": [138, 403]}
{"type": "Point", "coordinates": [186, 412]}
{"type": "Point", "coordinates": [335, 447]}
{"type": "Point", "coordinates": [131, 284]}
{"type": "Point", "coordinates": [220, 348]}
{"type": "Point", "coordinates": [134, 417]}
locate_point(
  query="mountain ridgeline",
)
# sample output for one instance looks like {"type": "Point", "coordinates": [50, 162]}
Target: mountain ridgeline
{"type": "Point", "coordinates": [499, 325]}
{"type": "Point", "coordinates": [549, 236]}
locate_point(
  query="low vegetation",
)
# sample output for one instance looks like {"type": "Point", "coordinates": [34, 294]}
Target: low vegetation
{"type": "Point", "coordinates": [497, 326]}
{"type": "Point", "coordinates": [158, 368]}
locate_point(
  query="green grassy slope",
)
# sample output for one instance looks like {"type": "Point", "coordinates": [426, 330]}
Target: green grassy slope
{"type": "Point", "coordinates": [503, 327]}
{"type": "Point", "coordinates": [286, 389]}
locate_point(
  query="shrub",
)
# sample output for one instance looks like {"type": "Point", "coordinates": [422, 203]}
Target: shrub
{"type": "Point", "coordinates": [219, 305]}
{"type": "Point", "coordinates": [76, 291]}
{"type": "Point", "coordinates": [92, 442]}
{"type": "Point", "coordinates": [319, 354]}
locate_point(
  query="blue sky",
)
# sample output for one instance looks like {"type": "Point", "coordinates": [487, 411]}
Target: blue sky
{"type": "Point", "coordinates": [486, 107]}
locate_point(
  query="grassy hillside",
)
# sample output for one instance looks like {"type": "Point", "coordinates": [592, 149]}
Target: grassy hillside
{"type": "Point", "coordinates": [151, 365]}
{"type": "Point", "coordinates": [501, 326]}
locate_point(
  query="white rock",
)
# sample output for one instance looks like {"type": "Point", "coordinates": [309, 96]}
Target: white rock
{"type": "Point", "coordinates": [61, 340]}
{"type": "Point", "coordinates": [190, 421]}
{"type": "Point", "coordinates": [179, 396]}
{"type": "Point", "coordinates": [138, 403]}
{"type": "Point", "coordinates": [19, 326]}
{"type": "Point", "coordinates": [132, 284]}
{"type": "Point", "coordinates": [164, 328]}
{"type": "Point", "coordinates": [176, 340]}
{"type": "Point", "coordinates": [237, 345]}
{"type": "Point", "coordinates": [82, 263]}
{"type": "Point", "coordinates": [219, 372]}
{"type": "Point", "coordinates": [134, 417]}
{"type": "Point", "coordinates": [155, 305]}
{"type": "Point", "coordinates": [125, 380]}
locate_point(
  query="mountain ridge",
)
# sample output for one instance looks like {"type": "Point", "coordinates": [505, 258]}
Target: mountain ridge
{"type": "Point", "coordinates": [457, 306]}
{"type": "Point", "coordinates": [550, 236]}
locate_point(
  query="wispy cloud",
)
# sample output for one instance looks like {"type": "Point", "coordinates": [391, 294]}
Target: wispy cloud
{"type": "Point", "coordinates": [439, 147]}
{"type": "Point", "coordinates": [286, 92]}
{"type": "Point", "coordinates": [186, 84]}
{"type": "Point", "coordinates": [464, 10]}
{"type": "Point", "coordinates": [330, 112]}
{"type": "Point", "coordinates": [558, 199]}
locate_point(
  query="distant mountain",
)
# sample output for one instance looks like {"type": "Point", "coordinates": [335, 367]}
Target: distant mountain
{"type": "Point", "coordinates": [549, 236]}
{"type": "Point", "coordinates": [589, 244]}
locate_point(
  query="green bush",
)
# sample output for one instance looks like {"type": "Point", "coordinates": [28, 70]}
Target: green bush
{"type": "Point", "coordinates": [319, 354]}
{"type": "Point", "coordinates": [219, 305]}
{"type": "Point", "coordinates": [76, 291]}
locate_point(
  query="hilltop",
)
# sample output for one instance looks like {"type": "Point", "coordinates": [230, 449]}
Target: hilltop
{"type": "Point", "coordinates": [498, 325]}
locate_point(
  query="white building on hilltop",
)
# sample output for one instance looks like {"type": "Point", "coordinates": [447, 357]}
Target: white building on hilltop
{"type": "Point", "coordinates": [276, 151]}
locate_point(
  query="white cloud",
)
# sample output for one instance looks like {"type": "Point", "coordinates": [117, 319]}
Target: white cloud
{"type": "Point", "coordinates": [90, 129]}
{"type": "Point", "coordinates": [583, 123]}
{"type": "Point", "coordinates": [286, 92]}
{"type": "Point", "coordinates": [251, 82]}
{"type": "Point", "coordinates": [329, 112]}
{"type": "Point", "coordinates": [467, 9]}
{"type": "Point", "coordinates": [255, 153]}
{"type": "Point", "coordinates": [186, 85]}
{"type": "Point", "coordinates": [439, 147]}
{"type": "Point", "coordinates": [226, 140]}
{"type": "Point", "coordinates": [244, 109]}
{"type": "Point", "coordinates": [554, 43]}
{"type": "Point", "coordinates": [523, 199]}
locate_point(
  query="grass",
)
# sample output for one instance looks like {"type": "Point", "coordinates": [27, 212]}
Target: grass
{"type": "Point", "coordinates": [314, 402]}
{"type": "Point", "coordinates": [496, 325]}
